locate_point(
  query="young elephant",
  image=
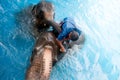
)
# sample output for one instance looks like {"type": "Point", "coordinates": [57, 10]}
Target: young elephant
{"type": "Point", "coordinates": [45, 50]}
{"type": "Point", "coordinates": [44, 53]}
{"type": "Point", "coordinates": [41, 12]}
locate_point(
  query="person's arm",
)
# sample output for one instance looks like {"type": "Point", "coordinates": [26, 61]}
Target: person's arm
{"type": "Point", "coordinates": [62, 49]}
{"type": "Point", "coordinates": [60, 36]}
{"type": "Point", "coordinates": [54, 24]}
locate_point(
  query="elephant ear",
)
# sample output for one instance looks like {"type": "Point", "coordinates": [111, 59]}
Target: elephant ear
{"type": "Point", "coordinates": [33, 11]}
{"type": "Point", "coordinates": [41, 8]}
{"type": "Point", "coordinates": [37, 12]}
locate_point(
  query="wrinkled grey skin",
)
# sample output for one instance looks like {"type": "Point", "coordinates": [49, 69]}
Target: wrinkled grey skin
{"type": "Point", "coordinates": [42, 11]}
{"type": "Point", "coordinates": [37, 65]}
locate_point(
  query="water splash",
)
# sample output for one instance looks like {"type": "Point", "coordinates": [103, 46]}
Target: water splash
{"type": "Point", "coordinates": [98, 59]}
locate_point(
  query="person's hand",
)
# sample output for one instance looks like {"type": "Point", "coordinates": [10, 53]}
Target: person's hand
{"type": "Point", "coordinates": [63, 50]}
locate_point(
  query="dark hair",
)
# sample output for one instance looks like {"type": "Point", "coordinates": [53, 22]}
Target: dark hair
{"type": "Point", "coordinates": [74, 35]}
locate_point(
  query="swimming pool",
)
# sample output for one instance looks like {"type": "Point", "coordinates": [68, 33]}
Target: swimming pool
{"type": "Point", "coordinates": [98, 59]}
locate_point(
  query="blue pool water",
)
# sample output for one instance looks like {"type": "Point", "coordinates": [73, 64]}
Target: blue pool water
{"type": "Point", "coordinates": [98, 59]}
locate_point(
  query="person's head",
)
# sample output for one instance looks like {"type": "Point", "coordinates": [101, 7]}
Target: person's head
{"type": "Point", "coordinates": [74, 35]}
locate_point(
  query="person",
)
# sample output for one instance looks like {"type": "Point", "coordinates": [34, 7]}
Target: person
{"type": "Point", "coordinates": [67, 30]}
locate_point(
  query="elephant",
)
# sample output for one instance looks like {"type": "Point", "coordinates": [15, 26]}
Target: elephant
{"type": "Point", "coordinates": [45, 49]}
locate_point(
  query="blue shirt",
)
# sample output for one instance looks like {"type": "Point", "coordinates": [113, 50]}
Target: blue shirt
{"type": "Point", "coordinates": [68, 25]}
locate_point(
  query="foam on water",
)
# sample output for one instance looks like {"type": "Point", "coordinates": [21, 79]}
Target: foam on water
{"type": "Point", "coordinates": [97, 59]}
